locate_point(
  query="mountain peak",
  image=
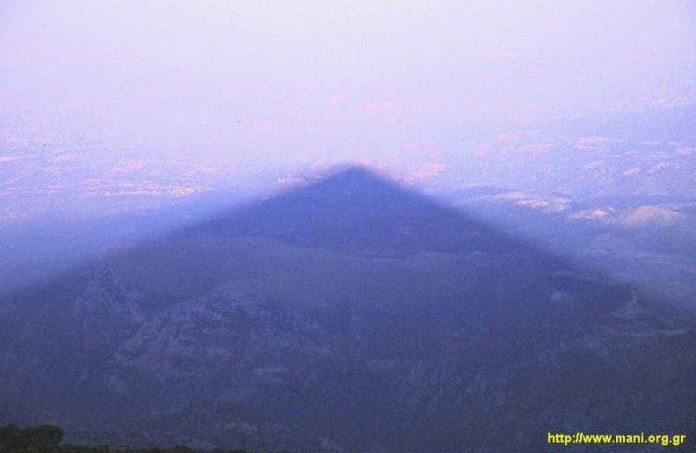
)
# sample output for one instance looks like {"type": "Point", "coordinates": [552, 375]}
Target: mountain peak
{"type": "Point", "coordinates": [353, 171]}
{"type": "Point", "coordinates": [356, 178]}
{"type": "Point", "coordinates": [355, 208]}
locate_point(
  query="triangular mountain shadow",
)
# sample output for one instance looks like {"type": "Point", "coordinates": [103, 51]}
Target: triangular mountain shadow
{"type": "Point", "coordinates": [357, 210]}
{"type": "Point", "coordinates": [351, 310]}
{"type": "Point", "coordinates": [353, 212]}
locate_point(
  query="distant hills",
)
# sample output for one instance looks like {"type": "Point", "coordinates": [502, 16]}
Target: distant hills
{"type": "Point", "coordinates": [347, 315]}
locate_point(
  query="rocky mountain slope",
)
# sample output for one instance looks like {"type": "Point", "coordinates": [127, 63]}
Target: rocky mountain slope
{"type": "Point", "coordinates": [348, 315]}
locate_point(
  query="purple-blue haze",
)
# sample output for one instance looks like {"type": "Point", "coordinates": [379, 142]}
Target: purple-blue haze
{"type": "Point", "coordinates": [112, 105]}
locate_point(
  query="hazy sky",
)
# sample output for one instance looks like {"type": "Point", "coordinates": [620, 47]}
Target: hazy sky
{"type": "Point", "coordinates": [188, 92]}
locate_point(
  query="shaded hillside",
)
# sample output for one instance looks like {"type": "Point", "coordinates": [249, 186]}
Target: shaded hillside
{"type": "Point", "coordinates": [348, 315]}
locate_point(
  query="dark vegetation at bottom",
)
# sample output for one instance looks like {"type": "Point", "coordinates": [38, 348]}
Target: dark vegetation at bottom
{"type": "Point", "coordinates": [47, 438]}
